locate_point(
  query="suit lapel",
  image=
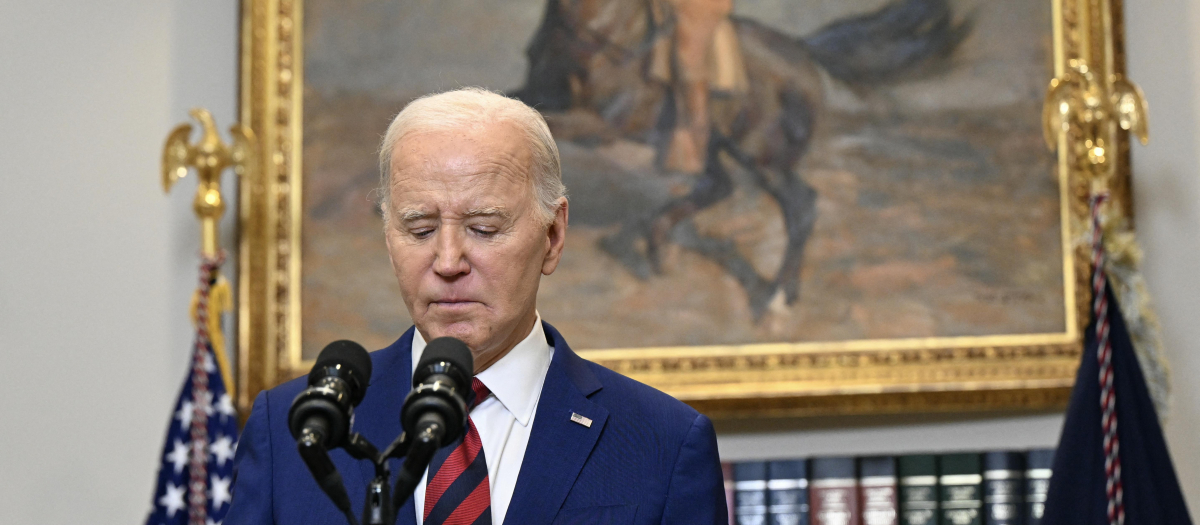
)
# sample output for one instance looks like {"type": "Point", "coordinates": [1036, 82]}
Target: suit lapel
{"type": "Point", "coordinates": [558, 447]}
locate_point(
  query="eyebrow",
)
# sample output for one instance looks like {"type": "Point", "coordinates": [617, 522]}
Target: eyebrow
{"type": "Point", "coordinates": [490, 211]}
{"type": "Point", "coordinates": [413, 215]}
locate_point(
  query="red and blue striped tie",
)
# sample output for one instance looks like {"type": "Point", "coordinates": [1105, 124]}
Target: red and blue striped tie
{"type": "Point", "coordinates": [458, 492]}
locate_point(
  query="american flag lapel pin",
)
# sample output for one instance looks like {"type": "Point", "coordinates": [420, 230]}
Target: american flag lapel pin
{"type": "Point", "coordinates": [581, 420]}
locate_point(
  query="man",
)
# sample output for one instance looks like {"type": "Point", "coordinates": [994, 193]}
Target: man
{"type": "Point", "coordinates": [703, 56]}
{"type": "Point", "coordinates": [474, 214]}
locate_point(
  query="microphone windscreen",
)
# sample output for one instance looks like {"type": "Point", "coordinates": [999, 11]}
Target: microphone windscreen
{"type": "Point", "coordinates": [452, 351]}
{"type": "Point", "coordinates": [348, 354]}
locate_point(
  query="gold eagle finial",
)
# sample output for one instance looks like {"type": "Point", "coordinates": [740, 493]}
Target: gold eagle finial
{"type": "Point", "coordinates": [210, 156]}
{"type": "Point", "coordinates": [1093, 107]}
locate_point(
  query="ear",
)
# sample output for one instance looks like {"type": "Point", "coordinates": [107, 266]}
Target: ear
{"type": "Point", "coordinates": [556, 237]}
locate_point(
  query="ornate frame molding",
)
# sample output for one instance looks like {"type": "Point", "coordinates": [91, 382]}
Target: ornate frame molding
{"type": "Point", "coordinates": [1034, 371]}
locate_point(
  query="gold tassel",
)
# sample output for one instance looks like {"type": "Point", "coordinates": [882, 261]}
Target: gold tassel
{"type": "Point", "coordinates": [220, 301]}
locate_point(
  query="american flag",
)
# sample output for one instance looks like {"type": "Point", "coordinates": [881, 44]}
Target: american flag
{"type": "Point", "coordinates": [1112, 466]}
{"type": "Point", "coordinates": [196, 472]}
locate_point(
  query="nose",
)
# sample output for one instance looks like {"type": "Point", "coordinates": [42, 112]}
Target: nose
{"type": "Point", "coordinates": [450, 259]}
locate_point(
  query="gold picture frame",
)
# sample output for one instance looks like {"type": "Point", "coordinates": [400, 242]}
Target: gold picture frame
{"type": "Point", "coordinates": [998, 372]}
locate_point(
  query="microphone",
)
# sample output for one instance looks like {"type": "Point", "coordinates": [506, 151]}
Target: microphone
{"type": "Point", "coordinates": [441, 381]}
{"type": "Point", "coordinates": [435, 411]}
{"type": "Point", "coordinates": [321, 415]}
{"type": "Point", "coordinates": [336, 385]}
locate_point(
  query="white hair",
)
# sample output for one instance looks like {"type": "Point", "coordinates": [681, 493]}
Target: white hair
{"type": "Point", "coordinates": [473, 106]}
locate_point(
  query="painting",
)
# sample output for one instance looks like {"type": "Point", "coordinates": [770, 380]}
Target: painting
{"type": "Point", "coordinates": [811, 199]}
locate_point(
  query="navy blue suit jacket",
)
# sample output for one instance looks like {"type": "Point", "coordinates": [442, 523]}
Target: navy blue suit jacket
{"type": "Point", "coordinates": [646, 459]}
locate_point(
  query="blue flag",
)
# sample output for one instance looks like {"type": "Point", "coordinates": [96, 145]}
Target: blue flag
{"type": "Point", "coordinates": [195, 452]}
{"type": "Point", "coordinates": [1125, 440]}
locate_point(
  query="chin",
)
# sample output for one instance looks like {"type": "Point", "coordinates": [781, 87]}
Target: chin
{"type": "Point", "coordinates": [467, 331]}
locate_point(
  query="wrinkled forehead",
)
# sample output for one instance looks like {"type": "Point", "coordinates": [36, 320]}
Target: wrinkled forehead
{"type": "Point", "coordinates": [433, 147]}
{"type": "Point", "coordinates": [466, 161]}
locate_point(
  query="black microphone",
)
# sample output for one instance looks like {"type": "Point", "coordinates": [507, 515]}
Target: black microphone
{"type": "Point", "coordinates": [320, 416]}
{"type": "Point", "coordinates": [441, 383]}
{"type": "Point", "coordinates": [336, 385]}
{"type": "Point", "coordinates": [435, 411]}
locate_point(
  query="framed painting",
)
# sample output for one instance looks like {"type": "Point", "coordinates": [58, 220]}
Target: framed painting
{"type": "Point", "coordinates": [822, 207]}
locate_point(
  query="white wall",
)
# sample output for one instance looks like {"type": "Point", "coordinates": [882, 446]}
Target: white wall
{"type": "Point", "coordinates": [1164, 58]}
{"type": "Point", "coordinates": [97, 264]}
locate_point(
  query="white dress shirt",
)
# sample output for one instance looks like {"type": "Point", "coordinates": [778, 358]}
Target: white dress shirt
{"type": "Point", "coordinates": [505, 418]}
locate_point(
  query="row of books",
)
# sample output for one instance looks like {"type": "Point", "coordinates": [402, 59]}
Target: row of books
{"type": "Point", "coordinates": [987, 488]}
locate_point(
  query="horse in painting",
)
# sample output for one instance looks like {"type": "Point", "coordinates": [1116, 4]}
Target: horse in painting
{"type": "Point", "coordinates": [590, 73]}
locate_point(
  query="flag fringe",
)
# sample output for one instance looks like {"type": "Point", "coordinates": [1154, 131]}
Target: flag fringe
{"type": "Point", "coordinates": [1123, 264]}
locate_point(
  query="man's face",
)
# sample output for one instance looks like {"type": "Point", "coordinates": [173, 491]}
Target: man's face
{"type": "Point", "coordinates": [465, 238]}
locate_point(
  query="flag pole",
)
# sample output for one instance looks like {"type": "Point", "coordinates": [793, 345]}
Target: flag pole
{"type": "Point", "coordinates": [196, 474]}
{"type": "Point", "coordinates": [209, 157]}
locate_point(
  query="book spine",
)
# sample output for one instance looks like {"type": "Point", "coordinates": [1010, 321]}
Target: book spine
{"type": "Point", "coordinates": [789, 502]}
{"type": "Point", "coordinates": [879, 500]}
{"type": "Point", "coordinates": [918, 500]}
{"type": "Point", "coordinates": [917, 476]}
{"type": "Point", "coordinates": [833, 492]}
{"type": "Point", "coordinates": [1003, 496]}
{"type": "Point", "coordinates": [787, 493]}
{"type": "Point", "coordinates": [1037, 485]}
{"type": "Point", "coordinates": [877, 490]}
{"type": "Point", "coordinates": [1038, 463]}
{"type": "Point", "coordinates": [834, 502]}
{"type": "Point", "coordinates": [961, 502]}
{"type": "Point", "coordinates": [750, 493]}
{"type": "Point", "coordinates": [961, 483]}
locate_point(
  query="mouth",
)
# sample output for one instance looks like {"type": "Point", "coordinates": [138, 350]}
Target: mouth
{"type": "Point", "coordinates": [453, 304]}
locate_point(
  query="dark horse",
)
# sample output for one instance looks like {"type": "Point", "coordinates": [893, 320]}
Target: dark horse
{"type": "Point", "coordinates": [589, 60]}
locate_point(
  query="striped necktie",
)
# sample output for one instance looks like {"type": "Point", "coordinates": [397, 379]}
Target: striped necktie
{"type": "Point", "coordinates": [458, 492]}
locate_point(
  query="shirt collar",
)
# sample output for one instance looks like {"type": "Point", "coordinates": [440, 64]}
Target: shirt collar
{"type": "Point", "coordinates": [515, 379]}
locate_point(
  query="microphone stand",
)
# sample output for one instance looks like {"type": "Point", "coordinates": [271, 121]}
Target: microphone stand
{"type": "Point", "coordinates": [417, 452]}
{"type": "Point", "coordinates": [324, 471]}
{"type": "Point", "coordinates": [378, 509]}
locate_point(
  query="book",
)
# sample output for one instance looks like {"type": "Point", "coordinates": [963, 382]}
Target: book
{"type": "Point", "coordinates": [960, 481]}
{"type": "Point", "coordinates": [918, 497]}
{"type": "Point", "coordinates": [727, 475]}
{"type": "Point", "coordinates": [1003, 488]}
{"type": "Point", "coordinates": [833, 492]}
{"type": "Point", "coordinates": [1038, 463]}
{"type": "Point", "coordinates": [877, 490]}
{"type": "Point", "coordinates": [750, 493]}
{"type": "Point", "coordinates": [787, 492]}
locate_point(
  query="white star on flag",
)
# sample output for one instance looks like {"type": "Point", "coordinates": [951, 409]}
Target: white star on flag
{"type": "Point", "coordinates": [209, 366]}
{"type": "Point", "coordinates": [222, 450]}
{"type": "Point", "coordinates": [185, 414]}
{"type": "Point", "coordinates": [220, 492]}
{"type": "Point", "coordinates": [178, 456]}
{"type": "Point", "coordinates": [225, 406]}
{"type": "Point", "coordinates": [173, 499]}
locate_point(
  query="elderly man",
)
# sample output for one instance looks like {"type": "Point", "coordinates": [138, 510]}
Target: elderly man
{"type": "Point", "coordinates": [475, 213]}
